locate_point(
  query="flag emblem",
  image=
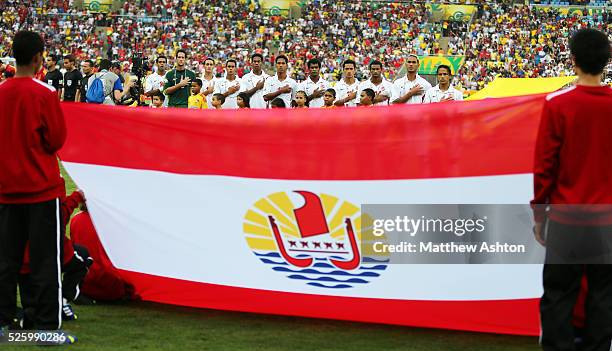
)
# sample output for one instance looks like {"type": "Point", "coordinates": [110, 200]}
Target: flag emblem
{"type": "Point", "coordinates": [312, 238]}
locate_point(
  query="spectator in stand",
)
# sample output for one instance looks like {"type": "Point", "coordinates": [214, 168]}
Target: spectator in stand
{"type": "Point", "coordinates": [6, 71]}
{"type": "Point", "coordinates": [505, 39]}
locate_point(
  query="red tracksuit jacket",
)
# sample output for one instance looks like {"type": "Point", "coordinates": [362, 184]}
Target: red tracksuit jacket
{"type": "Point", "coordinates": [573, 158]}
{"type": "Point", "coordinates": [32, 130]}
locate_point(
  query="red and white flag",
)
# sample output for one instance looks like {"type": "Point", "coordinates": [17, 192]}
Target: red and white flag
{"type": "Point", "coordinates": [259, 211]}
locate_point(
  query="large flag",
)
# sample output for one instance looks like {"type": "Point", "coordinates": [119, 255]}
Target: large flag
{"type": "Point", "coordinates": [259, 211]}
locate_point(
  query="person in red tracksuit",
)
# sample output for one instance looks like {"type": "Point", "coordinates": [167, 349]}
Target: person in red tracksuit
{"type": "Point", "coordinates": [32, 130]}
{"type": "Point", "coordinates": [573, 200]}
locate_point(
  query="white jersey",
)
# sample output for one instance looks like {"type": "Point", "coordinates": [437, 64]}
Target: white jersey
{"type": "Point", "coordinates": [205, 85]}
{"type": "Point", "coordinates": [156, 81]}
{"type": "Point", "coordinates": [249, 81]}
{"type": "Point", "coordinates": [223, 85]}
{"type": "Point", "coordinates": [435, 94]}
{"type": "Point", "coordinates": [309, 87]}
{"type": "Point", "coordinates": [383, 88]}
{"type": "Point", "coordinates": [403, 86]}
{"type": "Point", "coordinates": [273, 84]}
{"type": "Point", "coordinates": [343, 89]}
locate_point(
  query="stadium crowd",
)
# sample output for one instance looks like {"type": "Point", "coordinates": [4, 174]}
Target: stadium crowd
{"type": "Point", "coordinates": [503, 39]}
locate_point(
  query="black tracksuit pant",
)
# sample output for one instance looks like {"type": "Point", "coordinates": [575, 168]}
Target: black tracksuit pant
{"type": "Point", "coordinates": [40, 223]}
{"type": "Point", "coordinates": [570, 243]}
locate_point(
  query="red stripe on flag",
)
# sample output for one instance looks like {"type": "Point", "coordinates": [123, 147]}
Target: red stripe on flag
{"type": "Point", "coordinates": [488, 137]}
{"type": "Point", "coordinates": [517, 317]}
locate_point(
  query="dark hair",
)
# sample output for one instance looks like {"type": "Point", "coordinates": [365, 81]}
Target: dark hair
{"type": "Point", "coordinates": [161, 57]}
{"type": "Point", "coordinates": [91, 63]}
{"type": "Point", "coordinates": [104, 64]}
{"type": "Point", "coordinates": [220, 96]}
{"type": "Point", "coordinates": [591, 50]}
{"type": "Point", "coordinates": [115, 64]}
{"type": "Point", "coordinates": [209, 59]}
{"type": "Point", "coordinates": [415, 56]}
{"type": "Point", "coordinates": [246, 98]}
{"type": "Point", "coordinates": [179, 51]}
{"type": "Point", "coordinates": [370, 93]}
{"type": "Point", "coordinates": [349, 62]}
{"type": "Point", "coordinates": [198, 82]}
{"type": "Point", "coordinates": [231, 60]}
{"type": "Point", "coordinates": [374, 63]}
{"type": "Point", "coordinates": [69, 58]}
{"type": "Point", "coordinates": [450, 72]}
{"type": "Point", "coordinates": [161, 96]}
{"type": "Point", "coordinates": [26, 45]}
{"type": "Point", "coordinates": [257, 55]}
{"type": "Point", "coordinates": [294, 104]}
{"type": "Point", "coordinates": [278, 102]}
{"type": "Point", "coordinates": [281, 57]}
{"type": "Point", "coordinates": [314, 61]}
{"type": "Point", "coordinates": [332, 91]}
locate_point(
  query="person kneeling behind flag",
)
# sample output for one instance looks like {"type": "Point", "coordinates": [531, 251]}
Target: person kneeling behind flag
{"type": "Point", "coordinates": [103, 282]}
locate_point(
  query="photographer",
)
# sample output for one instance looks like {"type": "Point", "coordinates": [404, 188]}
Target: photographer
{"type": "Point", "coordinates": [122, 88]}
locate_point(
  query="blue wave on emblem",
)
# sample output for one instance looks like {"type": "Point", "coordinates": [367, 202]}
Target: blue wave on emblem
{"type": "Point", "coordinates": [380, 267]}
{"type": "Point", "coordinates": [370, 260]}
{"type": "Point", "coordinates": [339, 286]}
{"type": "Point", "coordinates": [323, 265]}
{"type": "Point", "coordinates": [264, 260]}
{"type": "Point", "coordinates": [327, 279]}
{"type": "Point", "coordinates": [314, 271]}
{"type": "Point", "coordinates": [270, 254]}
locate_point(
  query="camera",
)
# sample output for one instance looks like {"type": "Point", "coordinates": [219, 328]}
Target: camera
{"type": "Point", "coordinates": [138, 71]}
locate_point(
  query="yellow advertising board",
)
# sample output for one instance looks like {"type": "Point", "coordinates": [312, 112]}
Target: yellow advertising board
{"type": "Point", "coordinates": [279, 7]}
{"type": "Point", "coordinates": [459, 13]}
{"type": "Point", "coordinates": [444, 12]}
{"type": "Point", "coordinates": [429, 64]}
{"type": "Point", "coordinates": [98, 5]}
